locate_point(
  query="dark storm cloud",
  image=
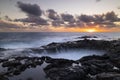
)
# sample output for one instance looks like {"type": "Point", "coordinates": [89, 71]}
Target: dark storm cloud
{"type": "Point", "coordinates": [30, 9]}
{"type": "Point", "coordinates": [52, 14]}
{"type": "Point", "coordinates": [67, 17]}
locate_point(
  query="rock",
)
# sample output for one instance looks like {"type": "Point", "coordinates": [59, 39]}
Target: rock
{"type": "Point", "coordinates": [3, 78]}
{"type": "Point", "coordinates": [38, 50]}
{"type": "Point", "coordinates": [2, 49]}
{"type": "Point", "coordinates": [17, 72]}
{"type": "Point", "coordinates": [89, 44]}
{"type": "Point", "coordinates": [11, 63]}
{"type": "Point", "coordinates": [97, 64]}
{"type": "Point", "coordinates": [70, 73]}
{"type": "Point", "coordinates": [3, 60]}
{"type": "Point", "coordinates": [93, 57]}
{"type": "Point", "coordinates": [88, 37]}
{"type": "Point", "coordinates": [58, 63]}
{"type": "Point", "coordinates": [108, 76]}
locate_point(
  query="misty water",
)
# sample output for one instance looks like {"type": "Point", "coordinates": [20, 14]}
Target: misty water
{"type": "Point", "coordinates": [72, 54]}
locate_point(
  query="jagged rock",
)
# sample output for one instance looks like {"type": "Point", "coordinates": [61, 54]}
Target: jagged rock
{"type": "Point", "coordinates": [108, 76]}
{"type": "Point", "coordinates": [66, 73]}
{"type": "Point", "coordinates": [90, 44]}
{"type": "Point", "coordinates": [11, 63]}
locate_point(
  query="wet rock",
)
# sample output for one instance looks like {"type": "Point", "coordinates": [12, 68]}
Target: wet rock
{"type": "Point", "coordinates": [93, 57]}
{"type": "Point", "coordinates": [69, 73]}
{"type": "Point", "coordinates": [11, 63]}
{"type": "Point", "coordinates": [3, 78]}
{"type": "Point", "coordinates": [38, 50]}
{"type": "Point", "coordinates": [52, 47]}
{"type": "Point", "coordinates": [16, 72]}
{"type": "Point", "coordinates": [89, 44]}
{"type": "Point", "coordinates": [97, 64]}
{"type": "Point", "coordinates": [3, 60]}
{"type": "Point", "coordinates": [108, 76]}
{"type": "Point", "coordinates": [88, 37]}
{"type": "Point", "coordinates": [2, 49]}
{"type": "Point", "coordinates": [58, 63]}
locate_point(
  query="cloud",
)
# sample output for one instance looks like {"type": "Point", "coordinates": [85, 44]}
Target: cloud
{"type": "Point", "coordinates": [86, 18]}
{"type": "Point", "coordinates": [67, 18]}
{"type": "Point", "coordinates": [57, 23]}
{"type": "Point", "coordinates": [52, 14]}
{"type": "Point", "coordinates": [34, 14]}
{"type": "Point", "coordinates": [33, 20]}
{"type": "Point", "coordinates": [30, 9]}
{"type": "Point", "coordinates": [51, 17]}
{"type": "Point", "coordinates": [9, 25]}
{"type": "Point", "coordinates": [111, 16]}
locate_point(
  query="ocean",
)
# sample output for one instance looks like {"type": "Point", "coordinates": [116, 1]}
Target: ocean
{"type": "Point", "coordinates": [17, 42]}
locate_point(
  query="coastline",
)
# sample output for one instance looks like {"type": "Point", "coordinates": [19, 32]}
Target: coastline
{"type": "Point", "coordinates": [86, 68]}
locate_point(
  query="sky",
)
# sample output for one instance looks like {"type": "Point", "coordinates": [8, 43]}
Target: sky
{"type": "Point", "coordinates": [59, 15]}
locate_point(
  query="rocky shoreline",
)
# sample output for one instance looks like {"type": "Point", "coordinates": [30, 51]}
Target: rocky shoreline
{"type": "Point", "coordinates": [94, 67]}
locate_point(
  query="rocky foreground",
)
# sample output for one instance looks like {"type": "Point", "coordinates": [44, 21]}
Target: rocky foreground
{"type": "Point", "coordinates": [94, 67]}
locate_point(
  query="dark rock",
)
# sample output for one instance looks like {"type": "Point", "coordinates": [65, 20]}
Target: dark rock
{"type": "Point", "coordinates": [11, 63]}
{"type": "Point", "coordinates": [70, 73]}
{"type": "Point", "coordinates": [88, 37]}
{"type": "Point", "coordinates": [108, 76]}
{"type": "Point", "coordinates": [3, 60]}
{"type": "Point", "coordinates": [16, 72]}
{"type": "Point", "coordinates": [2, 49]}
{"type": "Point", "coordinates": [93, 57]}
{"type": "Point", "coordinates": [58, 63]}
{"type": "Point", "coordinates": [3, 78]}
{"type": "Point", "coordinates": [38, 50]}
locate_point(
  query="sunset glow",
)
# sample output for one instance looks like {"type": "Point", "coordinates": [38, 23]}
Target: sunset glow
{"type": "Point", "coordinates": [90, 30]}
